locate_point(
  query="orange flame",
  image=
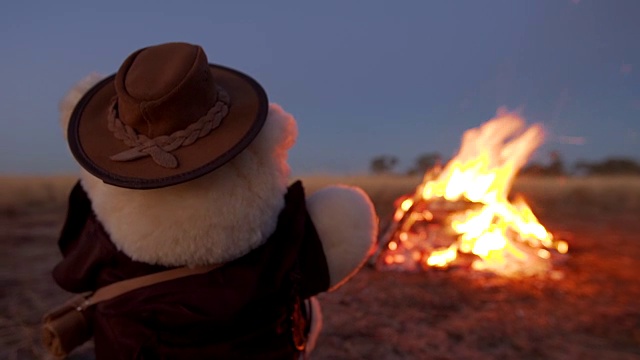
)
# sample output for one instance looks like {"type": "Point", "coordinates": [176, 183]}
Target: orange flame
{"type": "Point", "coordinates": [483, 172]}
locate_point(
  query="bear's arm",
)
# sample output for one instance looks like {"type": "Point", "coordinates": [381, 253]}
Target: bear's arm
{"type": "Point", "coordinates": [347, 225]}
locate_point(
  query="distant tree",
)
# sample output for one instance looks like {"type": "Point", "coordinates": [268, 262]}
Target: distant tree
{"type": "Point", "coordinates": [425, 162]}
{"type": "Point", "coordinates": [383, 164]}
{"type": "Point", "coordinates": [610, 166]}
{"type": "Point", "coordinates": [534, 169]}
{"type": "Point", "coordinates": [556, 167]}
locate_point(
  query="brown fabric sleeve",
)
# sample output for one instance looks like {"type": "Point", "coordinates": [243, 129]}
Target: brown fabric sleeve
{"type": "Point", "coordinates": [84, 246]}
{"type": "Point", "coordinates": [78, 211]}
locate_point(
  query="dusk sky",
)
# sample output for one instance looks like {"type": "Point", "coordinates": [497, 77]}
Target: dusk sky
{"type": "Point", "coordinates": [362, 78]}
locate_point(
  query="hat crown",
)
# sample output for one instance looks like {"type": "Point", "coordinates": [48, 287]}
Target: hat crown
{"type": "Point", "coordinates": [164, 88]}
{"type": "Point", "coordinates": [166, 117]}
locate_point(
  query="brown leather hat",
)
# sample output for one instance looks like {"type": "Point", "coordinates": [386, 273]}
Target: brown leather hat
{"type": "Point", "coordinates": [167, 116]}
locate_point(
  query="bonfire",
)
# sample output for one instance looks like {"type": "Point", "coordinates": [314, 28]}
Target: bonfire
{"type": "Point", "coordinates": [462, 214]}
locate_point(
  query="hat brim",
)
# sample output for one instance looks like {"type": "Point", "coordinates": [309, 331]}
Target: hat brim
{"type": "Point", "coordinates": [92, 143]}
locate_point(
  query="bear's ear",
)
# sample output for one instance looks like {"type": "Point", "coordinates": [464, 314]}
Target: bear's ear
{"type": "Point", "coordinates": [73, 96]}
{"type": "Point", "coordinates": [278, 134]}
{"type": "Point", "coordinates": [347, 225]}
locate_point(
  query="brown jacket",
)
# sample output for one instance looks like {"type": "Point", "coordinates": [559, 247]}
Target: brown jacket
{"type": "Point", "coordinates": [241, 310]}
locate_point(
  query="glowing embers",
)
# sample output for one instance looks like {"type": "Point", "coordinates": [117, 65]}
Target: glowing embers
{"type": "Point", "coordinates": [461, 214]}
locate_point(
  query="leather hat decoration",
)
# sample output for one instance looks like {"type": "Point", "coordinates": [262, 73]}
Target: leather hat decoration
{"type": "Point", "coordinates": [167, 116]}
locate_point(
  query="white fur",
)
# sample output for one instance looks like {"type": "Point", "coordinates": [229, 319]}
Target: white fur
{"type": "Point", "coordinates": [216, 218]}
{"type": "Point", "coordinates": [347, 224]}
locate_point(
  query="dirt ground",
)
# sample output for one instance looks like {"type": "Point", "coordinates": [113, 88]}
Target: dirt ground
{"type": "Point", "coordinates": [588, 309]}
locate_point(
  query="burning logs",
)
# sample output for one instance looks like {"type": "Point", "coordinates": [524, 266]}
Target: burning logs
{"type": "Point", "coordinates": [460, 214]}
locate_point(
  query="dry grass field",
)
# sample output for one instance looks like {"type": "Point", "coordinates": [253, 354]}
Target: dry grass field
{"type": "Point", "coordinates": [590, 308]}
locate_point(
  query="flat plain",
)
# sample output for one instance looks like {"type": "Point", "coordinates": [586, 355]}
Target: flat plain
{"type": "Point", "coordinates": [588, 309]}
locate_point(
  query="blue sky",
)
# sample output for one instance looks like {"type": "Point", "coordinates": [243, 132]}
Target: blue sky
{"type": "Point", "coordinates": [362, 78]}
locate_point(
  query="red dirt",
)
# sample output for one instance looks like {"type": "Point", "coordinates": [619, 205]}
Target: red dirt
{"type": "Point", "coordinates": [590, 309]}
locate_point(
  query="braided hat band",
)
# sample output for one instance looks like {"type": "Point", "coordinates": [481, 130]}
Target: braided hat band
{"type": "Point", "coordinates": [160, 147]}
{"type": "Point", "coordinates": [167, 116]}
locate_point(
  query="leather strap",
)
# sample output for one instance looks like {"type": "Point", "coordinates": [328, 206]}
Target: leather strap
{"type": "Point", "coordinates": [121, 287]}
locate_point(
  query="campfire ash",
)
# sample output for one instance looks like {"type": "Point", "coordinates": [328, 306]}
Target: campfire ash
{"type": "Point", "coordinates": [460, 215]}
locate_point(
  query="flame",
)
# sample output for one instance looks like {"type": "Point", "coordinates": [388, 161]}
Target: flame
{"type": "Point", "coordinates": [441, 258]}
{"type": "Point", "coordinates": [498, 232]}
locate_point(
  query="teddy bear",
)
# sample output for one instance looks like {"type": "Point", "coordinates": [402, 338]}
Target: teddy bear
{"type": "Point", "coordinates": [183, 163]}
